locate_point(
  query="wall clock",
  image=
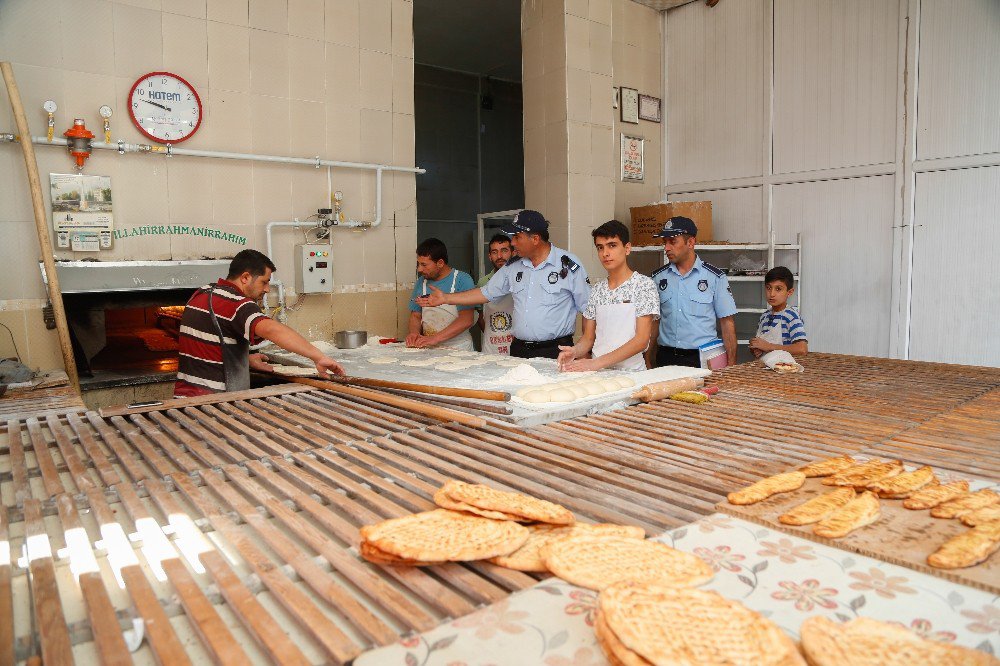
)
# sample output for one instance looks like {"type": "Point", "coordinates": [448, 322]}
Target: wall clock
{"type": "Point", "coordinates": [165, 107]}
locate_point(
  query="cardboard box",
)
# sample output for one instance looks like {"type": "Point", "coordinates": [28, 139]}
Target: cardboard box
{"type": "Point", "coordinates": [648, 220]}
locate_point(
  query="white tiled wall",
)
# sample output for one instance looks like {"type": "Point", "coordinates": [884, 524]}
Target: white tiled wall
{"type": "Point", "coordinates": [332, 78]}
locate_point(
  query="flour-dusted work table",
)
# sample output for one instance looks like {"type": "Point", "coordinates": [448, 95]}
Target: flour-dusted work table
{"type": "Point", "coordinates": [229, 527]}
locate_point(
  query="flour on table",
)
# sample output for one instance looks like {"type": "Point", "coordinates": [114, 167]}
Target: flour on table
{"type": "Point", "coordinates": [383, 360]}
{"type": "Point", "coordinates": [523, 374]}
{"type": "Point", "coordinates": [419, 362]}
{"type": "Point", "coordinates": [410, 350]}
{"type": "Point", "coordinates": [507, 363]}
{"type": "Point", "coordinates": [451, 367]}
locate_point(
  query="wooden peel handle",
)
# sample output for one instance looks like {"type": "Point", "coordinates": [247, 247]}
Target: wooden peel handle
{"type": "Point", "coordinates": [663, 390]}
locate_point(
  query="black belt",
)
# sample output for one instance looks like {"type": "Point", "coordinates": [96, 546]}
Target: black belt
{"type": "Point", "coordinates": [677, 351]}
{"type": "Point", "coordinates": [528, 344]}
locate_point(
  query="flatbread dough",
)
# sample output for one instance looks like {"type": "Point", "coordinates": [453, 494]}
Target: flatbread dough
{"type": "Point", "coordinates": [294, 370]}
{"type": "Point", "coordinates": [419, 362]}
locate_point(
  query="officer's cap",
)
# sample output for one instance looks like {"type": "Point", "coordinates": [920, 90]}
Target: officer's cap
{"type": "Point", "coordinates": [676, 226]}
{"type": "Point", "coordinates": [528, 221]}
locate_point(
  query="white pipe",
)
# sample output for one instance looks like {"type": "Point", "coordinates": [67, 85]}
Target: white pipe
{"type": "Point", "coordinates": [282, 314]}
{"type": "Point", "coordinates": [123, 147]}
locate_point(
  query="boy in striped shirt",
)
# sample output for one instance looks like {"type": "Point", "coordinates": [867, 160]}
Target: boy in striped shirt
{"type": "Point", "coordinates": [780, 319]}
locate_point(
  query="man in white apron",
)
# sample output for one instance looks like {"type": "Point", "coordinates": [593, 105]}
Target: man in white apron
{"type": "Point", "coordinates": [496, 320]}
{"type": "Point", "coordinates": [621, 313]}
{"type": "Point", "coordinates": [443, 325]}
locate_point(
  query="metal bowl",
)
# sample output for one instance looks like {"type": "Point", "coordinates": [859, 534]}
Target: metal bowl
{"type": "Point", "coordinates": [350, 339]}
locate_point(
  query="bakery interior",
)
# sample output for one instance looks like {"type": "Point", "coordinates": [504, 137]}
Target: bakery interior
{"type": "Point", "coordinates": [842, 506]}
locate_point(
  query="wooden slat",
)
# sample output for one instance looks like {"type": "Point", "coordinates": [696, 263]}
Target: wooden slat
{"type": "Point", "coordinates": [43, 458]}
{"type": "Point", "coordinates": [6, 593]}
{"type": "Point", "coordinates": [50, 621]}
{"type": "Point", "coordinates": [181, 403]}
{"type": "Point", "coordinates": [18, 465]}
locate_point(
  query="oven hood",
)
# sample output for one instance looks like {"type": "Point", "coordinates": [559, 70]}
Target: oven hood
{"type": "Point", "coordinates": [87, 277]}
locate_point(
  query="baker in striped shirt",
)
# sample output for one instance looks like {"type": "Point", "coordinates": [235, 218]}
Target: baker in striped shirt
{"type": "Point", "coordinates": [222, 320]}
{"type": "Point", "coordinates": [781, 326]}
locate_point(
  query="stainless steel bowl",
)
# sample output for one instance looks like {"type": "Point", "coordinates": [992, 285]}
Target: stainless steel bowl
{"type": "Point", "coordinates": [350, 339]}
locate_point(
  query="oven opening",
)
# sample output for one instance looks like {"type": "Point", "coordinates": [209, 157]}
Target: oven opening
{"type": "Point", "coordinates": [125, 339]}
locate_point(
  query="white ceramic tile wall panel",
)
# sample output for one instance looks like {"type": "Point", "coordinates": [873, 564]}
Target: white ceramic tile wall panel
{"type": "Point", "coordinates": [955, 276]}
{"type": "Point", "coordinates": [846, 228]}
{"type": "Point", "coordinates": [959, 93]}
{"type": "Point", "coordinates": [715, 91]}
{"type": "Point", "coordinates": [86, 17]}
{"type": "Point", "coordinates": [27, 35]}
{"type": "Point", "coordinates": [736, 214]}
{"type": "Point", "coordinates": [835, 83]}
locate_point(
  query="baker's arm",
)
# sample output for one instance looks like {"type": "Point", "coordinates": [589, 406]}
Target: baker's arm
{"type": "Point", "coordinates": [288, 338]}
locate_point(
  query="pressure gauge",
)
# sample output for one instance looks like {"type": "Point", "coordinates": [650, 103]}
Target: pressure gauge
{"type": "Point", "coordinates": [165, 107]}
{"type": "Point", "coordinates": [338, 196]}
{"type": "Point", "coordinates": [106, 111]}
{"type": "Point", "coordinates": [49, 106]}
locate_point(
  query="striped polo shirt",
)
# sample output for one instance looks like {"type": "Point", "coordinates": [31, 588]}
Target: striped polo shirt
{"type": "Point", "coordinates": [792, 328]}
{"type": "Point", "coordinates": [199, 369]}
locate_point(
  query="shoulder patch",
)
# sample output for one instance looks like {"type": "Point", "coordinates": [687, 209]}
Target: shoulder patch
{"type": "Point", "coordinates": [714, 270]}
{"type": "Point", "coordinates": [659, 270]}
{"type": "Point", "coordinates": [570, 264]}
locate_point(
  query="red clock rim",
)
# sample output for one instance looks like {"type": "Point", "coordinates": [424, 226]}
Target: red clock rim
{"type": "Point", "coordinates": [197, 98]}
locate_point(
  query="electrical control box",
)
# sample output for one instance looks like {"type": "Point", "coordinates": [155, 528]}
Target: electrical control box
{"type": "Point", "coordinates": [313, 268]}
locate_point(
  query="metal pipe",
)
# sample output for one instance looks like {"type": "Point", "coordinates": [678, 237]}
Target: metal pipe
{"type": "Point", "coordinates": [169, 150]}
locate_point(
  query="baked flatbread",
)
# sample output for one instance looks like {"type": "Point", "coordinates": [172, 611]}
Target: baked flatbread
{"type": "Point", "coordinates": [445, 536]}
{"type": "Point", "coordinates": [963, 504]}
{"type": "Point", "coordinates": [596, 562]}
{"type": "Point", "coordinates": [828, 466]}
{"type": "Point", "coordinates": [903, 484]}
{"type": "Point", "coordinates": [933, 494]}
{"type": "Point", "coordinates": [867, 642]}
{"type": "Point", "coordinates": [442, 500]}
{"type": "Point", "coordinates": [817, 508]}
{"type": "Point", "coordinates": [860, 511]}
{"type": "Point", "coordinates": [613, 648]}
{"type": "Point", "coordinates": [529, 556]}
{"type": "Point", "coordinates": [861, 475]}
{"type": "Point", "coordinates": [967, 549]}
{"type": "Point", "coordinates": [373, 554]}
{"type": "Point", "coordinates": [987, 514]}
{"type": "Point", "coordinates": [530, 509]}
{"type": "Point", "coordinates": [670, 626]}
{"type": "Point", "coordinates": [772, 485]}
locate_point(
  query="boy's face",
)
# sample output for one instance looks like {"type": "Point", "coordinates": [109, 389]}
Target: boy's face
{"type": "Point", "coordinates": [777, 294]}
{"type": "Point", "coordinates": [612, 252]}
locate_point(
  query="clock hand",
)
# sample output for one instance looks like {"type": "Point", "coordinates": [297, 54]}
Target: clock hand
{"type": "Point", "coordinates": [165, 108]}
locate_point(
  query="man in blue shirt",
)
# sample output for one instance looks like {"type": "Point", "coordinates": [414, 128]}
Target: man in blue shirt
{"type": "Point", "coordinates": [694, 297]}
{"type": "Point", "coordinates": [548, 284]}
{"type": "Point", "coordinates": [443, 325]}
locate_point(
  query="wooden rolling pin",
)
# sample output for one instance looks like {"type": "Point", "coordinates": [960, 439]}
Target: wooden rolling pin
{"type": "Point", "coordinates": [663, 390]}
{"type": "Point", "coordinates": [499, 396]}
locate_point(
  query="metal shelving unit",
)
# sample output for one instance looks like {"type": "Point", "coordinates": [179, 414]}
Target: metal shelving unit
{"type": "Point", "coordinates": [770, 248]}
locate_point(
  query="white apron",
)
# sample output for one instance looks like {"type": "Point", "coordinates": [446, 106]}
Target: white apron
{"type": "Point", "coordinates": [499, 320]}
{"type": "Point", "coordinates": [437, 318]}
{"type": "Point", "coordinates": [615, 327]}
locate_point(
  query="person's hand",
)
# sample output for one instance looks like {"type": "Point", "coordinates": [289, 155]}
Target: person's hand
{"type": "Point", "coordinates": [433, 299]}
{"type": "Point", "coordinates": [581, 365]}
{"type": "Point", "coordinates": [566, 354]}
{"type": "Point", "coordinates": [259, 363]}
{"type": "Point", "coordinates": [756, 352]}
{"type": "Point", "coordinates": [326, 365]}
{"type": "Point", "coordinates": [762, 345]}
{"type": "Point", "coordinates": [411, 339]}
{"type": "Point", "coordinates": [423, 341]}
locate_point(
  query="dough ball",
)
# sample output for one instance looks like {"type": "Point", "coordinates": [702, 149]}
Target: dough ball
{"type": "Point", "coordinates": [625, 382]}
{"type": "Point", "coordinates": [383, 360]}
{"type": "Point", "coordinates": [528, 389]}
{"type": "Point", "coordinates": [537, 395]}
{"type": "Point", "coordinates": [561, 395]}
{"type": "Point", "coordinates": [609, 385]}
{"type": "Point", "coordinates": [578, 391]}
{"type": "Point", "coordinates": [592, 387]}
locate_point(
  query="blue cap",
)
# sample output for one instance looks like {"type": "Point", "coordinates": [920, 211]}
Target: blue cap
{"type": "Point", "coordinates": [528, 221]}
{"type": "Point", "coordinates": [676, 226]}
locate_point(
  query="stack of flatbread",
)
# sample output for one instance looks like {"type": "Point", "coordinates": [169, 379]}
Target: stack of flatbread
{"type": "Point", "coordinates": [867, 642]}
{"type": "Point", "coordinates": [477, 522]}
{"type": "Point", "coordinates": [654, 624]}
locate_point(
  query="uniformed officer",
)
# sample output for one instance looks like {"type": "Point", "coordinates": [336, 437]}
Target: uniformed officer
{"type": "Point", "coordinates": [548, 284]}
{"type": "Point", "coordinates": [694, 296]}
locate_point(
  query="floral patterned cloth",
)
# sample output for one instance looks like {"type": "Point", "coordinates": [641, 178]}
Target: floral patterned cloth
{"type": "Point", "coordinates": [785, 578]}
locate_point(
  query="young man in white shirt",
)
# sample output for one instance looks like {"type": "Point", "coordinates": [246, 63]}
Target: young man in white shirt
{"type": "Point", "coordinates": [621, 313]}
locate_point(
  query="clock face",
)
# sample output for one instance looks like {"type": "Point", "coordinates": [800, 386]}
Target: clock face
{"type": "Point", "coordinates": [165, 107]}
